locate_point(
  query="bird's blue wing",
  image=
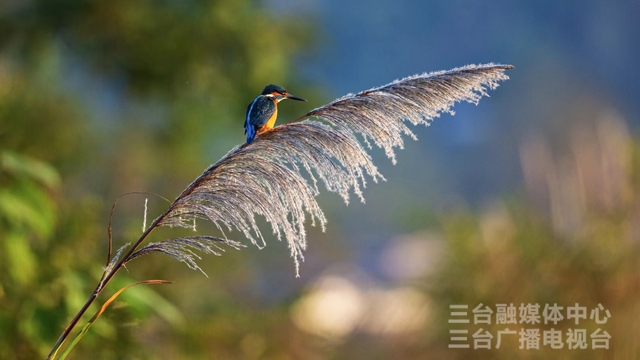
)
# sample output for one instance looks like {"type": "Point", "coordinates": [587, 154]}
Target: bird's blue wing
{"type": "Point", "coordinates": [258, 113]}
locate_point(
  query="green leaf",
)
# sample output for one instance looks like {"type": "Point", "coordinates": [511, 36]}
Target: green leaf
{"type": "Point", "coordinates": [21, 260]}
{"type": "Point", "coordinates": [95, 317]}
{"type": "Point", "coordinates": [28, 208]}
{"type": "Point", "coordinates": [21, 165]}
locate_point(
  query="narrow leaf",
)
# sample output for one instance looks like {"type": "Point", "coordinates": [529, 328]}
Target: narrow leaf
{"type": "Point", "coordinates": [95, 317]}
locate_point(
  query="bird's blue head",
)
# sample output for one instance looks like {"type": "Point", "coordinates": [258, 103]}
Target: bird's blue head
{"type": "Point", "coordinates": [279, 93]}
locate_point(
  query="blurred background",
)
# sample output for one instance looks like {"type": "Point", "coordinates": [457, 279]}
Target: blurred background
{"type": "Point", "coordinates": [533, 196]}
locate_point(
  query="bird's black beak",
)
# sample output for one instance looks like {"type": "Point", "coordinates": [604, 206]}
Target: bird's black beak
{"type": "Point", "coordinates": [293, 97]}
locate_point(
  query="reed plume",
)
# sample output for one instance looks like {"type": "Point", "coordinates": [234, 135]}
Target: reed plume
{"type": "Point", "coordinates": [267, 177]}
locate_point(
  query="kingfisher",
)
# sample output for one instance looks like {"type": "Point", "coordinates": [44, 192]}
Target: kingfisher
{"type": "Point", "coordinates": [263, 111]}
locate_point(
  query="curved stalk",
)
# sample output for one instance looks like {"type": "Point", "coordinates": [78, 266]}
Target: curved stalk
{"type": "Point", "coordinates": [102, 284]}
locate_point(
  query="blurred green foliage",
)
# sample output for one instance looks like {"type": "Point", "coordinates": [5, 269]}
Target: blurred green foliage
{"type": "Point", "coordinates": [97, 99]}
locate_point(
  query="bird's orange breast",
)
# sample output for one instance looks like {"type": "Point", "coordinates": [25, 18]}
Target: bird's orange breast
{"type": "Point", "coordinates": [270, 123]}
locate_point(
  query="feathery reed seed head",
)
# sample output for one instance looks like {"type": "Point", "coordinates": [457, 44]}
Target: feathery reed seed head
{"type": "Point", "coordinates": [265, 177]}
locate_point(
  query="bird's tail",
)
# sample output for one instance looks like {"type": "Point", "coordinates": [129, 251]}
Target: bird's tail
{"type": "Point", "coordinates": [251, 133]}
